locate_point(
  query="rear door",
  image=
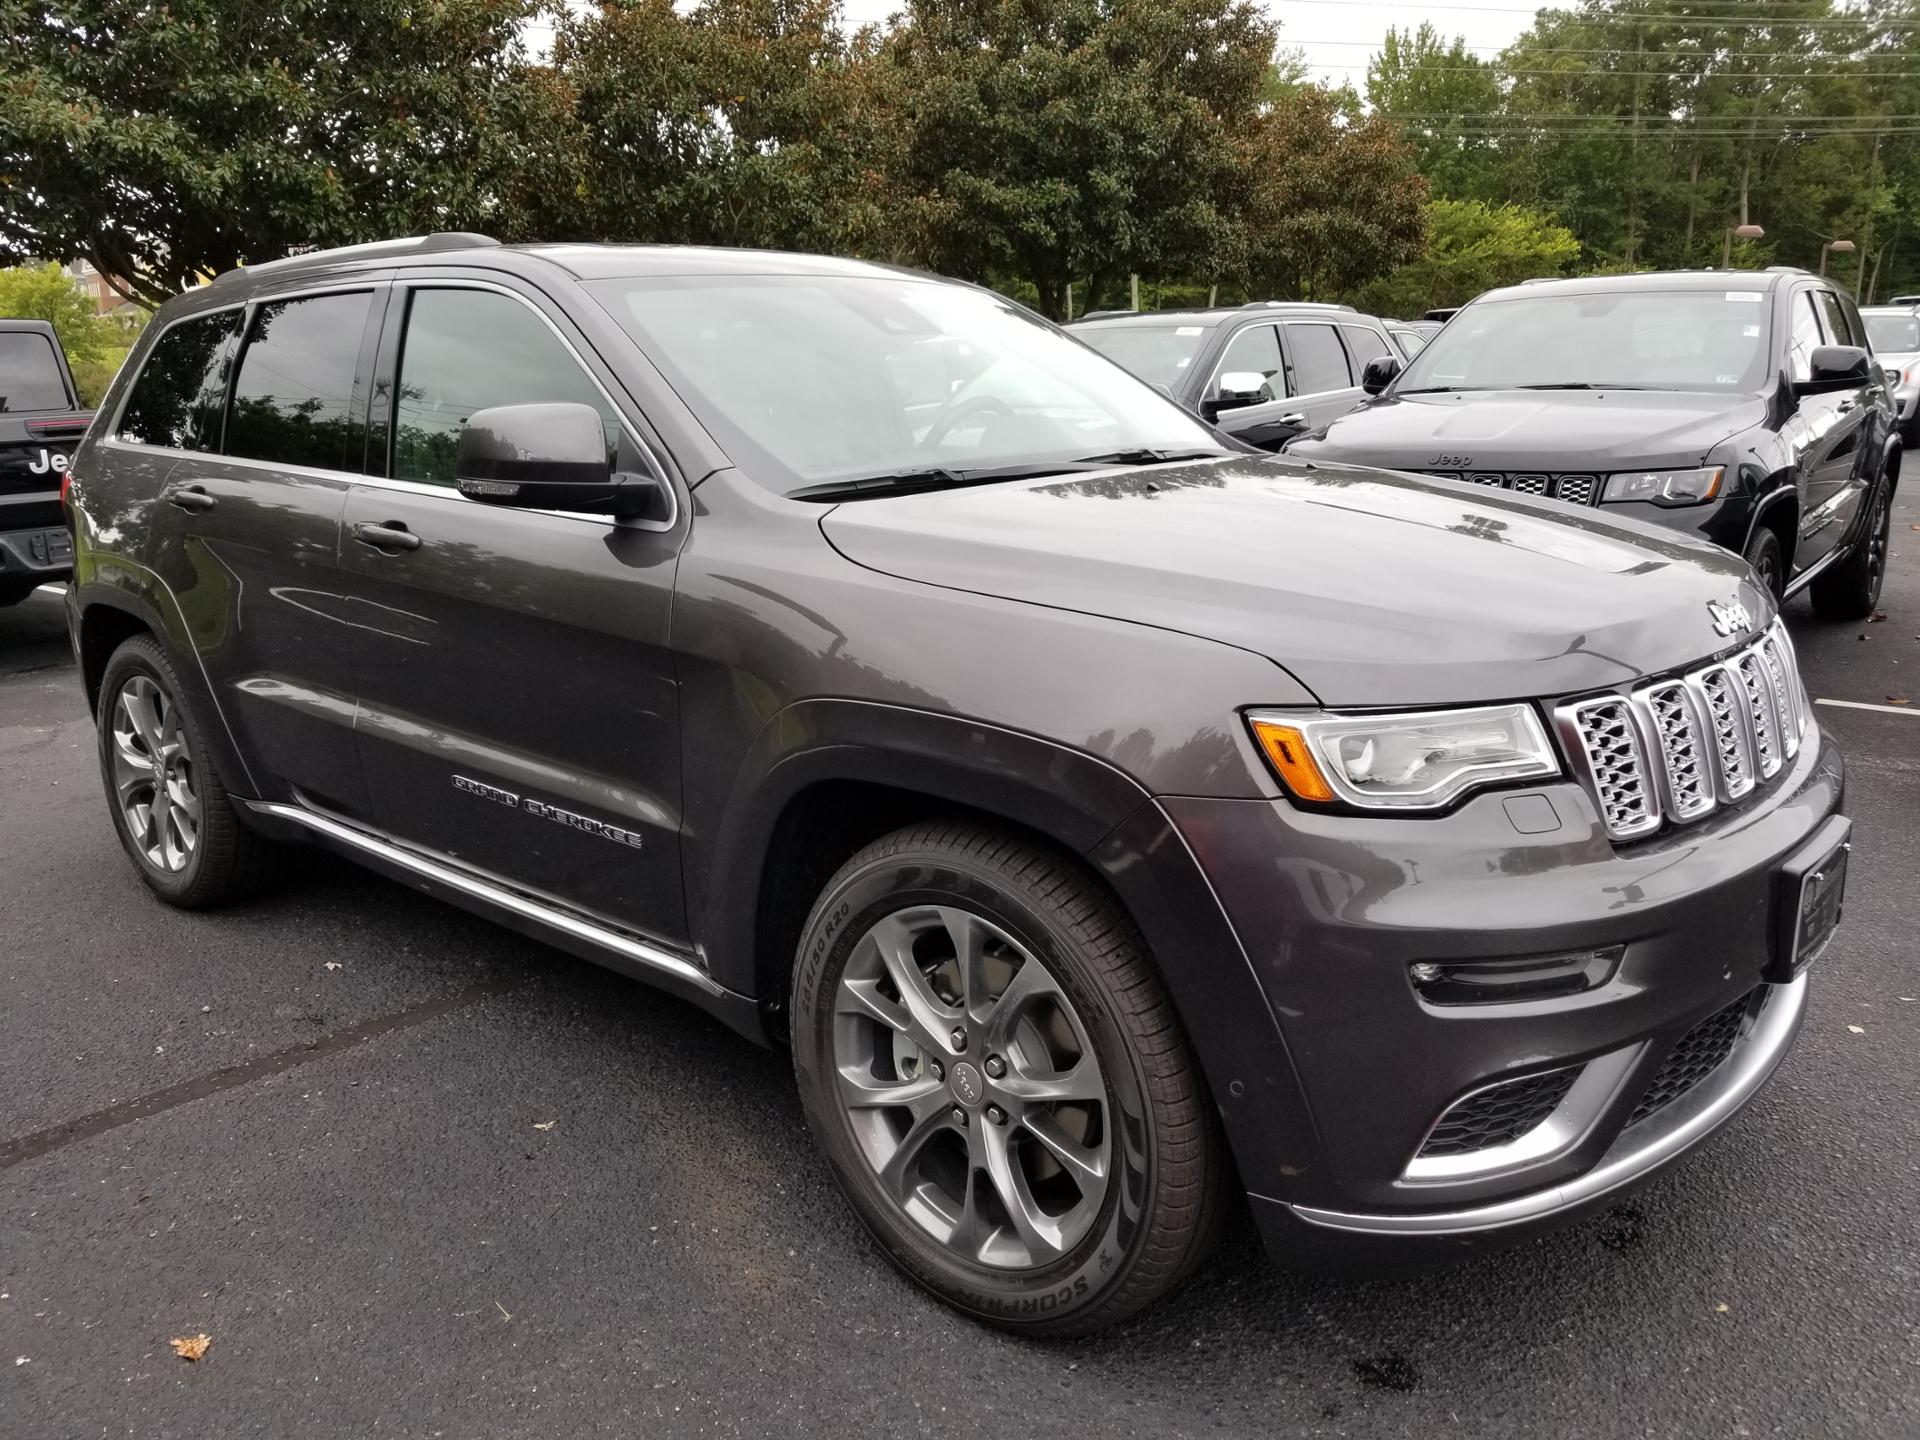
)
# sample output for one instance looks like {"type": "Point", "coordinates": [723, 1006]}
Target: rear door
{"type": "Point", "coordinates": [1324, 383]}
{"type": "Point", "coordinates": [519, 710]}
{"type": "Point", "coordinates": [261, 411]}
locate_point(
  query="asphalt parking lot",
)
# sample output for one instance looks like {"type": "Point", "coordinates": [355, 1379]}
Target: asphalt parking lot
{"type": "Point", "coordinates": [416, 1176]}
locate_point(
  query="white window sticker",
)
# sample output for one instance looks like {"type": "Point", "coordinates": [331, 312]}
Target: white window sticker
{"type": "Point", "coordinates": [1189, 330]}
{"type": "Point", "coordinates": [1752, 332]}
{"type": "Point", "coordinates": [1745, 297]}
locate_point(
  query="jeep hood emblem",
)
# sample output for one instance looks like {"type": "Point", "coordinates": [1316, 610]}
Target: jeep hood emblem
{"type": "Point", "coordinates": [1729, 618]}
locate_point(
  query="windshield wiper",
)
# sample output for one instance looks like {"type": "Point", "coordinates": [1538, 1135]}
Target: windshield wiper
{"type": "Point", "coordinates": [1580, 385]}
{"type": "Point", "coordinates": [1440, 390]}
{"type": "Point", "coordinates": [1141, 456]}
{"type": "Point", "coordinates": [913, 482]}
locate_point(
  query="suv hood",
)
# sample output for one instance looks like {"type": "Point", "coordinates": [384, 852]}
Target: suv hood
{"type": "Point", "coordinates": [1370, 588]}
{"type": "Point", "coordinates": [1552, 430]}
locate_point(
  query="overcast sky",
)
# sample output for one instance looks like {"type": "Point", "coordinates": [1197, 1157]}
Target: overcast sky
{"type": "Point", "coordinates": [1340, 35]}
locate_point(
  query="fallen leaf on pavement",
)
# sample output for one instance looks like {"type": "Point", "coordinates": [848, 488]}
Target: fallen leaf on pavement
{"type": "Point", "coordinates": [545, 1124]}
{"type": "Point", "coordinates": [1898, 700]}
{"type": "Point", "coordinates": [191, 1347]}
{"type": "Point", "coordinates": [1876, 617]}
{"type": "Point", "coordinates": [1857, 1029]}
{"type": "Point", "coordinates": [505, 1314]}
{"type": "Point", "coordinates": [333, 964]}
{"type": "Point", "coordinates": [1720, 1308]}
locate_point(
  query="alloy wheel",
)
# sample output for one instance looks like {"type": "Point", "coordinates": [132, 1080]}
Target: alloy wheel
{"type": "Point", "coordinates": [971, 1087]}
{"type": "Point", "coordinates": [1879, 539]}
{"type": "Point", "coordinates": [153, 780]}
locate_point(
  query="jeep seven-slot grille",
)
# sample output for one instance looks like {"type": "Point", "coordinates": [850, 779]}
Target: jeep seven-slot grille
{"type": "Point", "coordinates": [1701, 1051]}
{"type": "Point", "coordinates": [1579, 488]}
{"type": "Point", "coordinates": [1680, 748]}
{"type": "Point", "coordinates": [1499, 1114]}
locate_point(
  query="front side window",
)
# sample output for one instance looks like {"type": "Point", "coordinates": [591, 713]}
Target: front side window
{"type": "Point", "coordinates": [1364, 344]}
{"type": "Point", "coordinates": [29, 374]}
{"type": "Point", "coordinates": [1836, 318]}
{"type": "Point", "coordinates": [1601, 339]}
{"type": "Point", "coordinates": [176, 401]}
{"type": "Point", "coordinates": [820, 379]}
{"type": "Point", "coordinates": [293, 393]}
{"type": "Point", "coordinates": [1255, 351]}
{"type": "Point", "coordinates": [468, 350]}
{"type": "Point", "coordinates": [1319, 363]}
{"type": "Point", "coordinates": [1807, 336]}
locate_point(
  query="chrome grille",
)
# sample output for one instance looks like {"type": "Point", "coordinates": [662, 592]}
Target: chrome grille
{"type": "Point", "coordinates": [1577, 489]}
{"type": "Point", "coordinates": [1679, 748]}
{"type": "Point", "coordinates": [1530, 484]}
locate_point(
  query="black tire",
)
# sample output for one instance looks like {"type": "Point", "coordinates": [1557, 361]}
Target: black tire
{"type": "Point", "coordinates": [1165, 1185]}
{"type": "Point", "coordinates": [1769, 564]}
{"type": "Point", "coordinates": [1851, 589]}
{"type": "Point", "coordinates": [227, 861]}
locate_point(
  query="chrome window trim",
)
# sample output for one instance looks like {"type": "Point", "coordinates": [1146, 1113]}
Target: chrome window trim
{"type": "Point", "coordinates": [1566, 1125]}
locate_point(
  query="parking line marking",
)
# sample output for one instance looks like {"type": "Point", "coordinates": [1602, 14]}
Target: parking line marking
{"type": "Point", "coordinates": [1862, 705]}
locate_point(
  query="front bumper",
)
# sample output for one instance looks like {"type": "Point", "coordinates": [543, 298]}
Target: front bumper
{"type": "Point", "coordinates": [1332, 911]}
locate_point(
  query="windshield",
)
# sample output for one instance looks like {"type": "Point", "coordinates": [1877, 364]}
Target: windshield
{"type": "Point", "coordinates": [808, 379]}
{"type": "Point", "coordinates": [1158, 354]}
{"type": "Point", "coordinates": [29, 374]}
{"type": "Point", "coordinates": [1645, 339]}
{"type": "Point", "coordinates": [1892, 332]}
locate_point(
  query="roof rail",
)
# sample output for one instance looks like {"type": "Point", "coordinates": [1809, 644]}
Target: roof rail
{"type": "Point", "coordinates": [1788, 270]}
{"type": "Point", "coordinates": [1905, 300]}
{"type": "Point", "coordinates": [1105, 314]}
{"type": "Point", "coordinates": [1297, 305]}
{"type": "Point", "coordinates": [372, 250]}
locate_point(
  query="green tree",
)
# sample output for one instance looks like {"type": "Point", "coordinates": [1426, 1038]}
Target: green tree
{"type": "Point", "coordinates": [1442, 95]}
{"type": "Point", "coordinates": [168, 142]}
{"type": "Point", "coordinates": [46, 292]}
{"type": "Point", "coordinates": [1069, 140]}
{"type": "Point", "coordinates": [1472, 247]}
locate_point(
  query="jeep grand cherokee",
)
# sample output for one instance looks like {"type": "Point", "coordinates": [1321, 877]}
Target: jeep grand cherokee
{"type": "Point", "coordinates": [1103, 818]}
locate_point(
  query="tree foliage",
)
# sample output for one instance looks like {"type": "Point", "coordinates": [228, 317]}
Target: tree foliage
{"type": "Point", "coordinates": [1471, 247]}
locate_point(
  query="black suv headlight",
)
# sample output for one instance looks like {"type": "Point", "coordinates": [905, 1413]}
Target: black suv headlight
{"type": "Point", "coordinates": [1424, 760]}
{"type": "Point", "coordinates": [1665, 487]}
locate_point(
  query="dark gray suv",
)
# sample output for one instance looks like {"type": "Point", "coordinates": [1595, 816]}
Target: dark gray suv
{"type": "Point", "coordinates": [1109, 823]}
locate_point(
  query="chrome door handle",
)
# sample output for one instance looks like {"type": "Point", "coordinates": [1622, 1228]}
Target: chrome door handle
{"type": "Point", "coordinates": [191, 498]}
{"type": "Point", "coordinates": [1293, 417]}
{"type": "Point", "coordinates": [392, 536]}
{"type": "Point", "coordinates": [1844, 406]}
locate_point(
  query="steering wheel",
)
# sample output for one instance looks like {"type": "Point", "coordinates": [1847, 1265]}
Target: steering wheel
{"type": "Point", "coordinates": [944, 423]}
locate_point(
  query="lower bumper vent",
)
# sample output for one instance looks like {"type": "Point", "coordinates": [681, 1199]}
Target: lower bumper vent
{"type": "Point", "coordinates": [1701, 1051]}
{"type": "Point", "coordinates": [1499, 1114]}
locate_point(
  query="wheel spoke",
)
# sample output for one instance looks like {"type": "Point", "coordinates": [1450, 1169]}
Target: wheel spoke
{"type": "Point", "coordinates": [929, 1120]}
{"type": "Point", "coordinates": [864, 1092]}
{"type": "Point", "coordinates": [931, 1017]}
{"type": "Point", "coordinates": [1081, 1083]}
{"type": "Point", "coordinates": [863, 997]}
{"type": "Point", "coordinates": [1037, 1230]}
{"type": "Point", "coordinates": [969, 937]}
{"type": "Point", "coordinates": [1086, 1163]}
{"type": "Point", "coordinates": [1028, 984]}
{"type": "Point", "coordinates": [138, 698]}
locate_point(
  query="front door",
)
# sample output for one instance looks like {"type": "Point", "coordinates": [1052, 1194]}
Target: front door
{"type": "Point", "coordinates": [1828, 431]}
{"type": "Point", "coordinates": [1274, 419]}
{"type": "Point", "coordinates": [519, 712]}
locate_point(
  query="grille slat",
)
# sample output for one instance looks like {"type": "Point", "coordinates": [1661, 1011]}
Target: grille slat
{"type": "Point", "coordinates": [1575, 489]}
{"type": "Point", "coordinates": [1700, 1052]}
{"type": "Point", "coordinates": [1498, 1115]}
{"type": "Point", "coordinates": [1682, 747]}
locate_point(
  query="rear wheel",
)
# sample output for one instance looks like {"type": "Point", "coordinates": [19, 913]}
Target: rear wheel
{"type": "Point", "coordinates": [1851, 589]}
{"type": "Point", "coordinates": [169, 805]}
{"type": "Point", "coordinates": [1000, 1083]}
{"type": "Point", "coordinates": [1769, 564]}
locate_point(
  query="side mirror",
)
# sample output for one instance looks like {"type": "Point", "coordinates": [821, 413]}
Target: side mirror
{"type": "Point", "coordinates": [1235, 390]}
{"type": "Point", "coordinates": [1378, 373]}
{"type": "Point", "coordinates": [548, 457]}
{"type": "Point", "coordinates": [1834, 367]}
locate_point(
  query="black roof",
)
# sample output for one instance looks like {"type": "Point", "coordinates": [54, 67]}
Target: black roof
{"type": "Point", "coordinates": [15, 327]}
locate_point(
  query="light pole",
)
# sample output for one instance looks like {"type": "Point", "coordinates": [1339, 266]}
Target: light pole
{"type": "Point", "coordinates": [1742, 232]}
{"type": "Point", "coordinates": [1838, 247]}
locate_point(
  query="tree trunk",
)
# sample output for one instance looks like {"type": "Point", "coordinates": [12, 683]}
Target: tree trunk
{"type": "Point", "coordinates": [1693, 205]}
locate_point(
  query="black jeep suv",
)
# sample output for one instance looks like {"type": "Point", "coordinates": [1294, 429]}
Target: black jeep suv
{"type": "Point", "coordinates": [40, 422]}
{"type": "Point", "coordinates": [1102, 817]}
{"type": "Point", "coordinates": [1739, 406]}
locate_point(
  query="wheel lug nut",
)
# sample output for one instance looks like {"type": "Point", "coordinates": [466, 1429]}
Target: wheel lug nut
{"type": "Point", "coordinates": [996, 1115]}
{"type": "Point", "coordinates": [996, 1067]}
{"type": "Point", "coordinates": [959, 1117]}
{"type": "Point", "coordinates": [938, 1070]}
{"type": "Point", "coordinates": [959, 1039]}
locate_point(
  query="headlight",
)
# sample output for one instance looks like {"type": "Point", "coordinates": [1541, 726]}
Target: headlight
{"type": "Point", "coordinates": [1422, 761]}
{"type": "Point", "coordinates": [1665, 487]}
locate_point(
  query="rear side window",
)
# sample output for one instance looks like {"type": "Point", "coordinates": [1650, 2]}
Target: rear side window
{"type": "Point", "coordinates": [30, 374]}
{"type": "Point", "coordinates": [466, 350]}
{"type": "Point", "coordinates": [1365, 344]}
{"type": "Point", "coordinates": [293, 393]}
{"type": "Point", "coordinates": [176, 401]}
{"type": "Point", "coordinates": [1318, 361]}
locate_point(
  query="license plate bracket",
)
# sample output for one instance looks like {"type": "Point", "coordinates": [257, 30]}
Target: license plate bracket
{"type": "Point", "coordinates": [1809, 895]}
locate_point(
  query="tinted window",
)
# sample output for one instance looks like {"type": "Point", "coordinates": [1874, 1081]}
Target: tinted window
{"type": "Point", "coordinates": [30, 374]}
{"type": "Point", "coordinates": [1836, 318]}
{"type": "Point", "coordinates": [1605, 338]}
{"type": "Point", "coordinates": [176, 401]}
{"type": "Point", "coordinates": [1158, 354]}
{"type": "Point", "coordinates": [1255, 349]}
{"type": "Point", "coordinates": [1365, 343]}
{"type": "Point", "coordinates": [466, 350]}
{"type": "Point", "coordinates": [293, 394]}
{"type": "Point", "coordinates": [1894, 332]}
{"type": "Point", "coordinates": [1411, 342]}
{"type": "Point", "coordinates": [1318, 361]}
{"type": "Point", "coordinates": [1807, 336]}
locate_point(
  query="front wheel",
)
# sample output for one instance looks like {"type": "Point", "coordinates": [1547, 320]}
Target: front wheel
{"type": "Point", "coordinates": [1851, 589]}
{"type": "Point", "coordinates": [1769, 565]}
{"type": "Point", "coordinates": [999, 1082]}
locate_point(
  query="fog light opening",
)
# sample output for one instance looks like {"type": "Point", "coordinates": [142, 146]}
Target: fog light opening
{"type": "Point", "coordinates": [1531, 977]}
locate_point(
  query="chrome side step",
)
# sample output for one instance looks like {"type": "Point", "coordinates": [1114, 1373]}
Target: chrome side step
{"type": "Point", "coordinates": [585, 937]}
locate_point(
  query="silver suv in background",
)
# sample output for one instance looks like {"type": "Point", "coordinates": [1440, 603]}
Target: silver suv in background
{"type": "Point", "coordinates": [1894, 332]}
{"type": "Point", "coordinates": [1263, 373]}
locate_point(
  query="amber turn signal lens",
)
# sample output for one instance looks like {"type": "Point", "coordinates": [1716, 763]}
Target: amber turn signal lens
{"type": "Point", "coordinates": [1286, 750]}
